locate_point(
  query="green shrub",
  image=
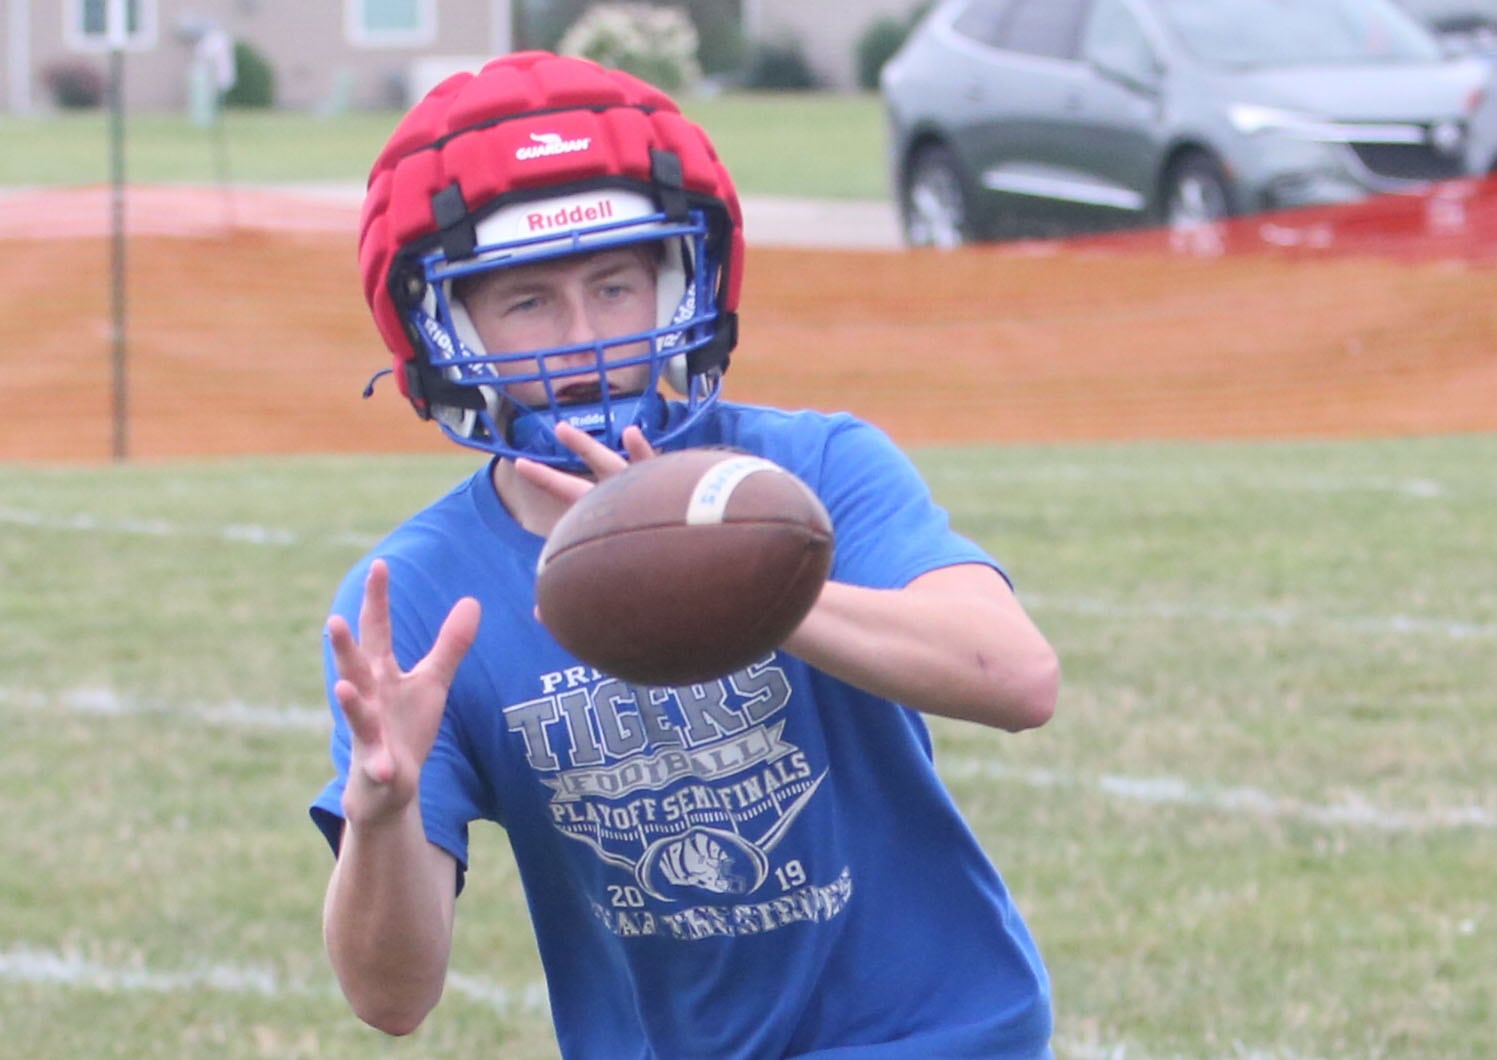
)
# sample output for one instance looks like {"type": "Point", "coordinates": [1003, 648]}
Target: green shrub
{"type": "Point", "coordinates": [720, 44]}
{"type": "Point", "coordinates": [877, 46]}
{"type": "Point", "coordinates": [879, 42]}
{"type": "Point", "coordinates": [254, 78]}
{"type": "Point", "coordinates": [74, 84]}
{"type": "Point", "coordinates": [657, 44]}
{"type": "Point", "coordinates": [542, 23]}
{"type": "Point", "coordinates": [780, 65]}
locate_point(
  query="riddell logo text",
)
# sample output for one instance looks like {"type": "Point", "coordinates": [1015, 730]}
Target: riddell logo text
{"type": "Point", "coordinates": [602, 210]}
{"type": "Point", "coordinates": [551, 144]}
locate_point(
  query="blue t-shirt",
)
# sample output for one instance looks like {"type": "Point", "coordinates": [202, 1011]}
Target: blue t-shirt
{"type": "Point", "coordinates": [759, 867]}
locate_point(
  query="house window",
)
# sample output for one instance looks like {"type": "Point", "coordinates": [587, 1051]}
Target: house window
{"type": "Point", "coordinates": [390, 23]}
{"type": "Point", "coordinates": [85, 24]}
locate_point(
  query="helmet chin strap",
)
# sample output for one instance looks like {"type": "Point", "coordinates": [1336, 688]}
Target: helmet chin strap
{"type": "Point", "coordinates": [533, 431]}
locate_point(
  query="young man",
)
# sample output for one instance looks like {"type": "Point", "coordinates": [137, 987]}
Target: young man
{"type": "Point", "coordinates": [763, 866]}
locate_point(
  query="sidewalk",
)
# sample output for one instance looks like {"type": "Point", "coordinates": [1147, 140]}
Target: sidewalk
{"type": "Point", "coordinates": [332, 206]}
{"type": "Point", "coordinates": [767, 220]}
{"type": "Point", "coordinates": [771, 221]}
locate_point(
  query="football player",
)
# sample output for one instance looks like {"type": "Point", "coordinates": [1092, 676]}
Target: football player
{"type": "Point", "coordinates": [763, 866]}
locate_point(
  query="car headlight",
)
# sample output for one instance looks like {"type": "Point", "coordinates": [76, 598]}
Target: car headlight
{"type": "Point", "coordinates": [1250, 119]}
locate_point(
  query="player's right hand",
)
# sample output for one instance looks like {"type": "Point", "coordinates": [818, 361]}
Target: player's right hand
{"type": "Point", "coordinates": [602, 462]}
{"type": "Point", "coordinates": [393, 715]}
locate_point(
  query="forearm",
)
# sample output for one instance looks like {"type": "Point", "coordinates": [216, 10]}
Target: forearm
{"type": "Point", "coordinates": [387, 921]}
{"type": "Point", "coordinates": [937, 647]}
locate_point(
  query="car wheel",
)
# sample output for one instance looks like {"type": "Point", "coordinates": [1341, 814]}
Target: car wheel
{"type": "Point", "coordinates": [1196, 193]}
{"type": "Point", "coordinates": [935, 211]}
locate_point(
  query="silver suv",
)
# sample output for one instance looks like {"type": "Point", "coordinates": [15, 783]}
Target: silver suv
{"type": "Point", "coordinates": [1037, 117]}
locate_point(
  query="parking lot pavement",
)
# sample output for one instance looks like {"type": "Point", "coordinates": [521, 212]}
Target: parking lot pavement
{"type": "Point", "coordinates": [768, 220]}
{"type": "Point", "coordinates": [774, 221]}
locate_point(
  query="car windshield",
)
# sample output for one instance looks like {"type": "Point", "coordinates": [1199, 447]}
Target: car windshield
{"type": "Point", "coordinates": [1246, 34]}
{"type": "Point", "coordinates": [1437, 11]}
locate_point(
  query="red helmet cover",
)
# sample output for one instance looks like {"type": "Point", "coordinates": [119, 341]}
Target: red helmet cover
{"type": "Point", "coordinates": [524, 124]}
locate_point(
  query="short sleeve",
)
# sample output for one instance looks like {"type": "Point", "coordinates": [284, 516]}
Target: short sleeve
{"type": "Point", "coordinates": [889, 528]}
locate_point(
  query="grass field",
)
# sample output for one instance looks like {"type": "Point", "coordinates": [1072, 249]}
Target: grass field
{"type": "Point", "coordinates": [827, 145]}
{"type": "Point", "coordinates": [1261, 825]}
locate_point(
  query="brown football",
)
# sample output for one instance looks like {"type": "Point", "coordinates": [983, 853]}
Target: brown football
{"type": "Point", "coordinates": [684, 567]}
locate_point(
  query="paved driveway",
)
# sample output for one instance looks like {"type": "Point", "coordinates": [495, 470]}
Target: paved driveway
{"type": "Point", "coordinates": [770, 221]}
{"type": "Point", "coordinates": [767, 220]}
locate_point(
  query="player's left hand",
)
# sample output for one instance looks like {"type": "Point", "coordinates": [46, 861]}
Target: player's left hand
{"type": "Point", "coordinates": [601, 461]}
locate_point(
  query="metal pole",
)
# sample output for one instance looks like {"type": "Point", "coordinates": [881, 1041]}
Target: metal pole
{"type": "Point", "coordinates": [117, 32]}
{"type": "Point", "coordinates": [501, 27]}
{"type": "Point", "coordinates": [221, 170]}
{"type": "Point", "coordinates": [18, 55]}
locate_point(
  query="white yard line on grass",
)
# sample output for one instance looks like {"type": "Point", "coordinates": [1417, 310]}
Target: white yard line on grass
{"type": "Point", "coordinates": [1092, 1049]}
{"type": "Point", "coordinates": [30, 965]}
{"type": "Point", "coordinates": [248, 534]}
{"type": "Point", "coordinates": [105, 701]}
{"type": "Point", "coordinates": [1279, 617]}
{"type": "Point", "coordinates": [1351, 811]}
{"type": "Point", "coordinates": [24, 964]}
{"type": "Point", "coordinates": [232, 533]}
{"type": "Point", "coordinates": [1215, 477]}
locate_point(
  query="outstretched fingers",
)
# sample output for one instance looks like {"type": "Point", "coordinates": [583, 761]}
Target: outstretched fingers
{"type": "Point", "coordinates": [357, 660]}
{"type": "Point", "coordinates": [355, 685]}
{"type": "Point", "coordinates": [599, 458]}
{"type": "Point", "coordinates": [602, 462]}
{"type": "Point", "coordinates": [637, 445]}
{"type": "Point", "coordinates": [556, 482]}
{"type": "Point", "coordinates": [358, 697]}
{"type": "Point", "coordinates": [346, 655]}
{"type": "Point", "coordinates": [393, 715]}
{"type": "Point", "coordinates": [366, 666]}
{"type": "Point", "coordinates": [459, 629]}
{"type": "Point", "coordinates": [374, 612]}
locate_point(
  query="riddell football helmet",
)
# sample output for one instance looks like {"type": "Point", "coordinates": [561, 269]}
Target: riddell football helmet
{"type": "Point", "coordinates": [534, 158]}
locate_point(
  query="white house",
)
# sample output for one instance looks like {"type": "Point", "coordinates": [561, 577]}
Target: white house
{"type": "Point", "coordinates": [334, 53]}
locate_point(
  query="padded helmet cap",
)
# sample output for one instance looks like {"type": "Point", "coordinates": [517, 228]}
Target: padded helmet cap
{"type": "Point", "coordinates": [486, 165]}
